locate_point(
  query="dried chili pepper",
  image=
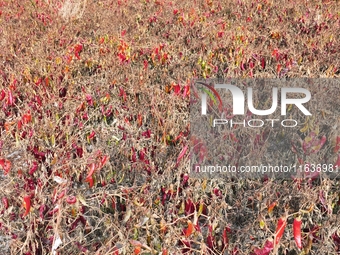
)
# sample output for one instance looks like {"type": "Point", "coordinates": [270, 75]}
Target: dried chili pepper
{"type": "Point", "coordinates": [33, 168]}
{"type": "Point", "coordinates": [92, 167]}
{"type": "Point", "coordinates": [5, 202]}
{"type": "Point", "coordinates": [10, 100]}
{"type": "Point", "coordinates": [71, 199]}
{"type": "Point", "coordinates": [103, 160]}
{"type": "Point", "coordinates": [297, 232]}
{"type": "Point", "coordinates": [181, 154]}
{"type": "Point", "coordinates": [27, 205]}
{"type": "Point", "coordinates": [2, 95]}
{"type": "Point", "coordinates": [280, 228]}
{"type": "Point", "coordinates": [6, 165]}
{"type": "Point", "coordinates": [89, 179]}
{"type": "Point", "coordinates": [190, 229]}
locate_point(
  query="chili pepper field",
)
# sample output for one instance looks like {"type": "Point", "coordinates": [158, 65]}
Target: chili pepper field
{"type": "Point", "coordinates": [95, 131]}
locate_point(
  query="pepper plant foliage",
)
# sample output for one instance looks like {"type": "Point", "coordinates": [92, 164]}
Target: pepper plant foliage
{"type": "Point", "coordinates": [94, 131]}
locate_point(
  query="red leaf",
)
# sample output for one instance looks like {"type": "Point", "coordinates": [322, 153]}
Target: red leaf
{"type": "Point", "coordinates": [297, 232]}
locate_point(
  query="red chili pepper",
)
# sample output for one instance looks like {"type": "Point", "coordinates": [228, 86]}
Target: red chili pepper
{"type": "Point", "coordinates": [280, 228]}
{"type": "Point", "coordinates": [188, 231]}
{"type": "Point", "coordinates": [336, 148]}
{"type": "Point", "coordinates": [186, 91]}
{"type": "Point", "coordinates": [181, 154]}
{"type": "Point", "coordinates": [89, 179]}
{"type": "Point", "coordinates": [141, 155]}
{"type": "Point", "coordinates": [178, 137]}
{"type": "Point", "coordinates": [2, 95]}
{"type": "Point", "coordinates": [92, 168]}
{"type": "Point", "coordinates": [91, 135]}
{"type": "Point", "coordinates": [26, 118]}
{"type": "Point", "coordinates": [5, 202]}
{"type": "Point", "coordinates": [89, 100]}
{"type": "Point", "coordinates": [77, 49]}
{"type": "Point", "coordinates": [61, 194]}
{"type": "Point", "coordinates": [104, 160]}
{"type": "Point", "coordinates": [268, 247]}
{"type": "Point", "coordinates": [71, 199]}
{"type": "Point", "coordinates": [271, 207]}
{"type": "Point", "coordinates": [27, 205]}
{"type": "Point", "coordinates": [225, 237]}
{"type": "Point", "coordinates": [56, 209]}
{"type": "Point", "coordinates": [297, 232]}
{"type": "Point", "coordinates": [33, 168]}
{"type": "Point", "coordinates": [139, 120]}
{"type": "Point", "coordinates": [10, 100]}
{"type": "Point", "coordinates": [6, 165]}
{"type": "Point", "coordinates": [19, 124]}
{"type": "Point", "coordinates": [210, 239]}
